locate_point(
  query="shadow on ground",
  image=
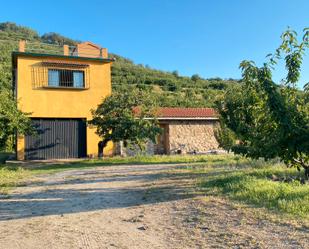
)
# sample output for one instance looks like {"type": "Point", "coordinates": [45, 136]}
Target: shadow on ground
{"type": "Point", "coordinates": [96, 189]}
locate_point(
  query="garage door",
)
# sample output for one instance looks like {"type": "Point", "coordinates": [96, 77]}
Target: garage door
{"type": "Point", "coordinates": [56, 138]}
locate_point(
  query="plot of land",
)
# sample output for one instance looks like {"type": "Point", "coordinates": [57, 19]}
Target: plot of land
{"type": "Point", "coordinates": [135, 206]}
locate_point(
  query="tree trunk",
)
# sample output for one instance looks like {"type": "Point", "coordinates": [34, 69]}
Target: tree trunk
{"type": "Point", "coordinates": [101, 146]}
{"type": "Point", "coordinates": [301, 162]}
{"type": "Point", "coordinates": [122, 149]}
{"type": "Point", "coordinates": [306, 172]}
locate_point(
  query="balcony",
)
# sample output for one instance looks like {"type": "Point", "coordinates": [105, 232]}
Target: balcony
{"type": "Point", "coordinates": [64, 66]}
{"type": "Point", "coordinates": [82, 50]}
{"type": "Point", "coordinates": [58, 74]}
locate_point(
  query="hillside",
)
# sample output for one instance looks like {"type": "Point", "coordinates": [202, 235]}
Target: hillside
{"type": "Point", "coordinates": [169, 88]}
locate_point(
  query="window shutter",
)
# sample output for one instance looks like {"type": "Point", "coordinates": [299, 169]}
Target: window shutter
{"type": "Point", "coordinates": [78, 79]}
{"type": "Point", "coordinates": [53, 77]}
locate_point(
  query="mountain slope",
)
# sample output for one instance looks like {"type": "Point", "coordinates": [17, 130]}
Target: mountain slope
{"type": "Point", "coordinates": [169, 88]}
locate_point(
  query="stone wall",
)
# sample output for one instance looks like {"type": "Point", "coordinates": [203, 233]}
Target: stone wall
{"type": "Point", "coordinates": [178, 136]}
{"type": "Point", "coordinates": [192, 136]}
{"type": "Point", "coordinates": [133, 150]}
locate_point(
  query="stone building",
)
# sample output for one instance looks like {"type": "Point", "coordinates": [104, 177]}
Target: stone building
{"type": "Point", "coordinates": [184, 131]}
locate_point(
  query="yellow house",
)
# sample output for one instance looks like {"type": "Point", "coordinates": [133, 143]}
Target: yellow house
{"type": "Point", "coordinates": [59, 91]}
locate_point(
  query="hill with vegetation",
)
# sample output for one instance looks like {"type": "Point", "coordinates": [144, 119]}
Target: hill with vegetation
{"type": "Point", "coordinates": [169, 88]}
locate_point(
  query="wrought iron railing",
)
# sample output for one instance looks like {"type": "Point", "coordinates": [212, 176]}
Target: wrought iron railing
{"type": "Point", "coordinates": [59, 74]}
{"type": "Point", "coordinates": [46, 48]}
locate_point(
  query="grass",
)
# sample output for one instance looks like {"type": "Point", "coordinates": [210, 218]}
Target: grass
{"type": "Point", "coordinates": [237, 178]}
{"type": "Point", "coordinates": [251, 182]}
{"type": "Point", "coordinates": [11, 177]}
{"type": "Point", "coordinates": [136, 160]}
{"type": "Point", "coordinates": [15, 175]}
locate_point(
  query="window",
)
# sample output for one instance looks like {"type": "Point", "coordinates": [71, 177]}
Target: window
{"type": "Point", "coordinates": [53, 77]}
{"type": "Point", "coordinates": [66, 78]}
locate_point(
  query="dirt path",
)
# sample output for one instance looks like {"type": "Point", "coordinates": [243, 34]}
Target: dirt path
{"type": "Point", "coordinates": [142, 206]}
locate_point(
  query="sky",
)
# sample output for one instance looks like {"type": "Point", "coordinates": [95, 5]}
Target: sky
{"type": "Point", "coordinates": [204, 37]}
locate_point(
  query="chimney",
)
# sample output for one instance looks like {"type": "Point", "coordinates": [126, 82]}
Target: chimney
{"type": "Point", "coordinates": [22, 46]}
{"type": "Point", "coordinates": [65, 50]}
{"type": "Point", "coordinates": [89, 49]}
{"type": "Point", "coordinates": [103, 53]}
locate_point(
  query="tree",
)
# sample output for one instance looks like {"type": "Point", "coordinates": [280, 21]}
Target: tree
{"type": "Point", "coordinates": [225, 137]}
{"type": "Point", "coordinates": [17, 31]}
{"type": "Point", "coordinates": [126, 116]}
{"type": "Point", "coordinates": [195, 77]}
{"type": "Point", "coordinates": [6, 64]}
{"type": "Point", "coordinates": [12, 120]}
{"type": "Point", "coordinates": [271, 120]}
{"type": "Point", "coordinates": [54, 38]}
{"type": "Point", "coordinates": [175, 73]}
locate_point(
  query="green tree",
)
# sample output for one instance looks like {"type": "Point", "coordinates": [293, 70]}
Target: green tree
{"type": "Point", "coordinates": [127, 116]}
{"type": "Point", "coordinates": [12, 120]}
{"type": "Point", "coordinates": [54, 38]}
{"type": "Point", "coordinates": [195, 77]}
{"type": "Point", "coordinates": [175, 73]}
{"type": "Point", "coordinates": [6, 64]}
{"type": "Point", "coordinates": [271, 120]}
{"type": "Point", "coordinates": [225, 137]}
{"type": "Point", "coordinates": [18, 32]}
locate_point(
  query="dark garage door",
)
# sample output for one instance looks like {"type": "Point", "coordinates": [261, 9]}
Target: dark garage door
{"type": "Point", "coordinates": [56, 138]}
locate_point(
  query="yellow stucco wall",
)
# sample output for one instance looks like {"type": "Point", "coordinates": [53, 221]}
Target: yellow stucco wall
{"type": "Point", "coordinates": [63, 103]}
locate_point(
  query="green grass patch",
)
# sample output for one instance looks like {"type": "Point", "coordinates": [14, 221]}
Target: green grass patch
{"type": "Point", "coordinates": [162, 159]}
{"type": "Point", "coordinates": [11, 177]}
{"type": "Point", "coordinates": [252, 182]}
{"type": "Point", "coordinates": [137, 160]}
{"type": "Point", "coordinates": [15, 175]}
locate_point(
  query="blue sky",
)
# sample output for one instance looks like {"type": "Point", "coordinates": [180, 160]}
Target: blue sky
{"type": "Point", "coordinates": [206, 37]}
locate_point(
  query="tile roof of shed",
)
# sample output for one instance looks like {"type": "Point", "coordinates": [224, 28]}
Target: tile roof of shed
{"type": "Point", "coordinates": [183, 113]}
{"type": "Point", "coordinates": [180, 112]}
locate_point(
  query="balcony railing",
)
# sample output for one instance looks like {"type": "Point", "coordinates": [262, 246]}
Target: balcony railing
{"type": "Point", "coordinates": [81, 50]}
{"type": "Point", "coordinates": [59, 74]}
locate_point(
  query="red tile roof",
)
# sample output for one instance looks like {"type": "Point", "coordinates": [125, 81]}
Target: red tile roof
{"type": "Point", "coordinates": [179, 112]}
{"type": "Point", "coordinates": [183, 113]}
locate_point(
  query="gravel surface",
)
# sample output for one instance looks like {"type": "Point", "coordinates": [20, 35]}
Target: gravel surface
{"type": "Point", "coordinates": [139, 206]}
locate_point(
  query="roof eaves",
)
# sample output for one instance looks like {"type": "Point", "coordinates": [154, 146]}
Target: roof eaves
{"type": "Point", "coordinates": [16, 54]}
{"type": "Point", "coordinates": [186, 118]}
